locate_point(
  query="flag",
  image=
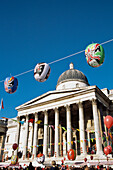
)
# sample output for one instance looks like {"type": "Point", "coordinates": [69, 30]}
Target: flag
{"type": "Point", "coordinates": [38, 122]}
{"type": "Point", "coordinates": [1, 106]}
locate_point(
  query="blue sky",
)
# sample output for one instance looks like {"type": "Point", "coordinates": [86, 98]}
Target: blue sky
{"type": "Point", "coordinates": [34, 31]}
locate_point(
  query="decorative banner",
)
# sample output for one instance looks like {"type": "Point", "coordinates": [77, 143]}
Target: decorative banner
{"type": "Point", "coordinates": [31, 120]}
{"type": "Point", "coordinates": [64, 128]}
{"type": "Point", "coordinates": [39, 121]}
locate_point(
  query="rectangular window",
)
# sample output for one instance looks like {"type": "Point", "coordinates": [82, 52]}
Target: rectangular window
{"type": "Point", "coordinates": [7, 139]}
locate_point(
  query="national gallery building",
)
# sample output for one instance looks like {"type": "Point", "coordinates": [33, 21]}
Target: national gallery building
{"type": "Point", "coordinates": [70, 117]}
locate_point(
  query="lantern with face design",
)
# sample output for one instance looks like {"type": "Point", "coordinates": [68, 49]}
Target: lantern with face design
{"type": "Point", "coordinates": [10, 84]}
{"type": "Point", "coordinates": [42, 72]}
{"type": "Point", "coordinates": [40, 158]}
{"type": "Point", "coordinates": [14, 159]}
{"type": "Point", "coordinates": [94, 55]}
{"type": "Point", "coordinates": [71, 154]}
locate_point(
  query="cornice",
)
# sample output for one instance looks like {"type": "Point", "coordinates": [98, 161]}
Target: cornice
{"type": "Point", "coordinates": [97, 94]}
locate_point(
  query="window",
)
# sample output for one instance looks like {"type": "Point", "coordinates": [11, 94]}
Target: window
{"type": "Point", "coordinates": [0, 139]}
{"type": "Point", "coordinates": [7, 139]}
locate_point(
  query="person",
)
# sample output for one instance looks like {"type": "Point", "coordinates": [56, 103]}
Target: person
{"type": "Point", "coordinates": [31, 167]}
{"type": "Point", "coordinates": [54, 167]}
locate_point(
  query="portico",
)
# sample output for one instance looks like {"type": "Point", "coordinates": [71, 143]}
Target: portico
{"type": "Point", "coordinates": [68, 115]}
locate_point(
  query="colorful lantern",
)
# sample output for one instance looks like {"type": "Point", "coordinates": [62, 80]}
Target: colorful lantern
{"type": "Point", "coordinates": [106, 150]}
{"type": "Point", "coordinates": [91, 157]}
{"type": "Point", "coordinates": [92, 152]}
{"type": "Point", "coordinates": [64, 158]}
{"type": "Point", "coordinates": [14, 159]}
{"type": "Point", "coordinates": [109, 148]}
{"type": "Point", "coordinates": [15, 146]}
{"type": "Point", "coordinates": [40, 158]}
{"type": "Point", "coordinates": [108, 121]}
{"type": "Point", "coordinates": [94, 55]}
{"type": "Point", "coordinates": [85, 159]}
{"type": "Point", "coordinates": [10, 84]}
{"type": "Point", "coordinates": [42, 72]}
{"type": "Point", "coordinates": [71, 154]}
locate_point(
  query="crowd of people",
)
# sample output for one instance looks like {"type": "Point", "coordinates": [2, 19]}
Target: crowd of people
{"type": "Point", "coordinates": [55, 166]}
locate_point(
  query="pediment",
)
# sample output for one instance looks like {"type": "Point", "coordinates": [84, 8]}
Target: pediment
{"type": "Point", "coordinates": [49, 96]}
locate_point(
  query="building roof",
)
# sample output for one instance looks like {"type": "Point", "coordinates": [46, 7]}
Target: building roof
{"type": "Point", "coordinates": [72, 74]}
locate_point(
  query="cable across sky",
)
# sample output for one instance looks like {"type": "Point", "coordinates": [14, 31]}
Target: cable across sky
{"type": "Point", "coordinates": [108, 41]}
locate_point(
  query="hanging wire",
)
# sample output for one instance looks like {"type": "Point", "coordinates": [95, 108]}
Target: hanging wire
{"type": "Point", "coordinates": [59, 59]}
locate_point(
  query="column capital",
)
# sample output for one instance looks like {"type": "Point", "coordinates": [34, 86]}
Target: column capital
{"type": "Point", "coordinates": [80, 104]}
{"type": "Point", "coordinates": [18, 118]}
{"type": "Point", "coordinates": [94, 101]}
{"type": "Point", "coordinates": [67, 106]}
{"type": "Point", "coordinates": [56, 109]}
{"type": "Point", "coordinates": [36, 114]}
{"type": "Point", "coordinates": [45, 111]}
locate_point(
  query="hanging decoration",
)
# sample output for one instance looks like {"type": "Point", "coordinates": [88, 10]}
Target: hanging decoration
{"type": "Point", "coordinates": [42, 72]}
{"type": "Point", "coordinates": [91, 157]}
{"type": "Point", "coordinates": [108, 121]}
{"type": "Point", "coordinates": [14, 159]}
{"type": "Point", "coordinates": [109, 148]}
{"type": "Point", "coordinates": [40, 158]}
{"type": "Point", "coordinates": [71, 154]}
{"type": "Point", "coordinates": [85, 159]}
{"type": "Point", "coordinates": [106, 150]}
{"type": "Point", "coordinates": [15, 146]}
{"type": "Point", "coordinates": [94, 55]}
{"type": "Point", "coordinates": [31, 120]}
{"type": "Point", "coordinates": [10, 84]}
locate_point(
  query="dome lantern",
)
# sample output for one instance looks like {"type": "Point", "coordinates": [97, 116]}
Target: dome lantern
{"type": "Point", "coordinates": [71, 79]}
{"type": "Point", "coordinates": [71, 66]}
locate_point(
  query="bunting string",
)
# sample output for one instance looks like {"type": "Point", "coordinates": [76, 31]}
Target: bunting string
{"type": "Point", "coordinates": [62, 143]}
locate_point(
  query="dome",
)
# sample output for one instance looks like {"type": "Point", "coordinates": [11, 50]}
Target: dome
{"type": "Point", "coordinates": [72, 78]}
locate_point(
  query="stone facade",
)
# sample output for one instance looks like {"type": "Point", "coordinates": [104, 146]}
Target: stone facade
{"type": "Point", "coordinates": [69, 118]}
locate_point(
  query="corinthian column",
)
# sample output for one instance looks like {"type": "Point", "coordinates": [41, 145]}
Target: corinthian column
{"type": "Point", "coordinates": [18, 135]}
{"type": "Point", "coordinates": [56, 132]}
{"type": "Point", "coordinates": [68, 113]}
{"type": "Point", "coordinates": [35, 138]}
{"type": "Point", "coordinates": [45, 133]}
{"type": "Point", "coordinates": [81, 127]}
{"type": "Point", "coordinates": [25, 138]}
{"type": "Point", "coordinates": [97, 128]}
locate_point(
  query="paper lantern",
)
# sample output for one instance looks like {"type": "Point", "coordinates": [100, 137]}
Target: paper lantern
{"type": "Point", "coordinates": [71, 154]}
{"type": "Point", "coordinates": [106, 150]}
{"type": "Point", "coordinates": [14, 159]}
{"type": "Point", "coordinates": [62, 161]}
{"type": "Point", "coordinates": [85, 159]}
{"type": "Point", "coordinates": [108, 121]}
{"type": "Point", "coordinates": [109, 148]}
{"type": "Point", "coordinates": [15, 146]}
{"type": "Point", "coordinates": [91, 157]}
{"type": "Point", "coordinates": [40, 158]}
{"type": "Point", "coordinates": [10, 84]}
{"type": "Point", "coordinates": [94, 55]}
{"type": "Point", "coordinates": [42, 72]}
{"type": "Point", "coordinates": [92, 152]}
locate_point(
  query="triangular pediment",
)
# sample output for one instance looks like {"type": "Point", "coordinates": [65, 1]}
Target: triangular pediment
{"type": "Point", "coordinates": [49, 96]}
